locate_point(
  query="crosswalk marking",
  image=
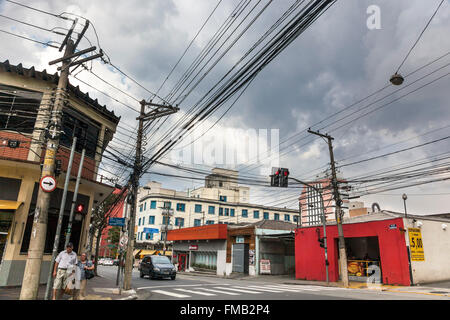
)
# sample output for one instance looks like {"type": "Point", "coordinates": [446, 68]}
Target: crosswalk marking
{"type": "Point", "coordinates": [238, 290]}
{"type": "Point", "coordinates": [285, 289]}
{"type": "Point", "coordinates": [224, 292]}
{"type": "Point", "coordinates": [196, 292]}
{"type": "Point", "coordinates": [261, 288]}
{"type": "Point", "coordinates": [173, 294]}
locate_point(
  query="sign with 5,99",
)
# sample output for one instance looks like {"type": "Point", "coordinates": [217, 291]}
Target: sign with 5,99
{"type": "Point", "coordinates": [416, 245]}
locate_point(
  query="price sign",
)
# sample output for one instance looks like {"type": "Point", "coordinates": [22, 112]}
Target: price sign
{"type": "Point", "coordinates": [416, 244]}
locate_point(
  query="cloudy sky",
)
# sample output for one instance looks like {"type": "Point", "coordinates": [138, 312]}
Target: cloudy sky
{"type": "Point", "coordinates": [338, 64]}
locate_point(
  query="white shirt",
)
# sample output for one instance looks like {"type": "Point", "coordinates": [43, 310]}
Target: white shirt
{"type": "Point", "coordinates": [66, 260]}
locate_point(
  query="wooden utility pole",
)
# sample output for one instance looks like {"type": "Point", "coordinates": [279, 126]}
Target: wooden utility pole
{"type": "Point", "coordinates": [339, 213]}
{"type": "Point", "coordinates": [30, 283]}
{"type": "Point", "coordinates": [157, 112]}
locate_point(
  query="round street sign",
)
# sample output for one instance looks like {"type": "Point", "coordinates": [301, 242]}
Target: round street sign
{"type": "Point", "coordinates": [123, 240]}
{"type": "Point", "coordinates": [48, 183]}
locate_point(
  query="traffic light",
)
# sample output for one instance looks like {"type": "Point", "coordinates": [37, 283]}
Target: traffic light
{"type": "Point", "coordinates": [275, 179]}
{"type": "Point", "coordinates": [284, 176]}
{"type": "Point", "coordinates": [79, 208]}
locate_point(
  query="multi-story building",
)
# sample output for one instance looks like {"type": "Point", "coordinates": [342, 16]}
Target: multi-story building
{"type": "Point", "coordinates": [313, 205]}
{"type": "Point", "coordinates": [26, 101]}
{"type": "Point", "coordinates": [221, 200]}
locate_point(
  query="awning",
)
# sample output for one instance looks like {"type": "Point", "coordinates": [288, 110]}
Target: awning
{"type": "Point", "coordinates": [10, 205]}
{"type": "Point", "coordinates": [135, 252]}
{"type": "Point", "coordinates": [145, 253]}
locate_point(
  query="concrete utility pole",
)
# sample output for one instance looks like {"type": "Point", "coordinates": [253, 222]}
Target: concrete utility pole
{"type": "Point", "coordinates": [30, 283]}
{"type": "Point", "coordinates": [338, 213]}
{"type": "Point", "coordinates": [157, 112]}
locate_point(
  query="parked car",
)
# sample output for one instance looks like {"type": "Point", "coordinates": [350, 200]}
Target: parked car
{"type": "Point", "coordinates": [101, 261]}
{"type": "Point", "coordinates": [157, 267]}
{"type": "Point", "coordinates": [116, 262]}
{"type": "Point", "coordinates": [108, 262]}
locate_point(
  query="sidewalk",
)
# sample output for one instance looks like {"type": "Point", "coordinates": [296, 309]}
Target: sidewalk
{"type": "Point", "coordinates": [441, 289]}
{"type": "Point", "coordinates": [98, 288]}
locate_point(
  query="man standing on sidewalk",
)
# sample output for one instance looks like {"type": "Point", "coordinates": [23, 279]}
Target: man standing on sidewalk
{"type": "Point", "coordinates": [65, 260]}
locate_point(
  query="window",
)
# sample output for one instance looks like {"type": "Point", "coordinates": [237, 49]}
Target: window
{"type": "Point", "coordinates": [179, 222]}
{"type": "Point", "coordinates": [75, 124]}
{"type": "Point", "coordinates": [266, 215]}
{"type": "Point", "coordinates": [181, 207]}
{"type": "Point", "coordinates": [167, 204]}
{"type": "Point", "coordinates": [152, 204]}
{"type": "Point", "coordinates": [197, 222]}
{"type": "Point", "coordinates": [245, 213]}
{"type": "Point", "coordinates": [211, 209]}
{"type": "Point", "coordinates": [149, 236]}
{"type": "Point", "coordinates": [139, 222]}
{"type": "Point", "coordinates": [145, 206]}
{"type": "Point", "coordinates": [227, 212]}
{"type": "Point", "coordinates": [231, 212]}
{"type": "Point", "coordinates": [210, 222]}
{"type": "Point", "coordinates": [295, 218]}
{"type": "Point", "coordinates": [287, 217]}
{"type": "Point", "coordinates": [151, 220]}
{"type": "Point", "coordinates": [165, 221]}
{"type": "Point", "coordinates": [220, 211]}
{"type": "Point", "coordinates": [16, 105]}
{"type": "Point", "coordinates": [223, 198]}
{"type": "Point", "coordinates": [198, 208]}
{"type": "Point", "coordinates": [140, 208]}
{"type": "Point", "coordinates": [256, 214]}
{"type": "Point", "coordinates": [143, 221]}
{"type": "Point", "coordinates": [276, 216]}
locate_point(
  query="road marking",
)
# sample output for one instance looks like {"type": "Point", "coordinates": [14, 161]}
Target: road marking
{"type": "Point", "coordinates": [185, 285]}
{"type": "Point", "coordinates": [168, 293]}
{"type": "Point", "coordinates": [224, 292]}
{"type": "Point", "coordinates": [284, 289]}
{"type": "Point", "coordinates": [261, 288]}
{"type": "Point", "coordinates": [294, 287]}
{"type": "Point", "coordinates": [196, 292]}
{"type": "Point", "coordinates": [238, 290]}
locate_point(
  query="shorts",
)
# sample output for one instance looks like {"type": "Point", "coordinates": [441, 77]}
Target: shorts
{"type": "Point", "coordinates": [60, 280]}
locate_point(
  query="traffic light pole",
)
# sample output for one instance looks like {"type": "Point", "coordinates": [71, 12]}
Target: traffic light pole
{"type": "Point", "coordinates": [342, 250]}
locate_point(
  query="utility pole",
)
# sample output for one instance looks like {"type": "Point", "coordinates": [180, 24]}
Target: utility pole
{"type": "Point", "coordinates": [158, 111]}
{"type": "Point", "coordinates": [339, 212]}
{"type": "Point", "coordinates": [30, 283]}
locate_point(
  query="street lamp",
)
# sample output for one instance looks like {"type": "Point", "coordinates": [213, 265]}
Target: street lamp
{"type": "Point", "coordinates": [404, 197]}
{"type": "Point", "coordinates": [397, 79]}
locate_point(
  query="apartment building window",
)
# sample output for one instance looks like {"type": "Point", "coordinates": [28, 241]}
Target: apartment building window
{"type": "Point", "coordinates": [151, 220]}
{"type": "Point", "coordinates": [140, 208]}
{"type": "Point", "coordinates": [231, 212]}
{"type": "Point", "coordinates": [287, 217]}
{"type": "Point", "coordinates": [210, 222]}
{"type": "Point", "coordinates": [295, 218]}
{"type": "Point", "coordinates": [198, 208]}
{"type": "Point", "coordinates": [227, 212]}
{"type": "Point", "coordinates": [179, 222]}
{"type": "Point", "coordinates": [152, 204]}
{"type": "Point", "coordinates": [220, 211]}
{"type": "Point", "coordinates": [149, 236]}
{"type": "Point", "coordinates": [143, 221]}
{"type": "Point", "coordinates": [139, 222]}
{"type": "Point", "coordinates": [181, 207]}
{"type": "Point", "coordinates": [223, 198]}
{"type": "Point", "coordinates": [145, 206]}
{"type": "Point", "coordinates": [165, 221]}
{"type": "Point", "coordinates": [256, 214]}
{"type": "Point", "coordinates": [211, 209]}
{"type": "Point", "coordinates": [244, 213]}
{"type": "Point", "coordinates": [276, 217]}
{"type": "Point", "coordinates": [266, 216]}
{"type": "Point", "coordinates": [167, 204]}
{"type": "Point", "coordinates": [197, 222]}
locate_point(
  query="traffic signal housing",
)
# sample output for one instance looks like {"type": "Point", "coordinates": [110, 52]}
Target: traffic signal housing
{"type": "Point", "coordinates": [79, 208]}
{"type": "Point", "coordinates": [275, 179]}
{"type": "Point", "coordinates": [284, 176]}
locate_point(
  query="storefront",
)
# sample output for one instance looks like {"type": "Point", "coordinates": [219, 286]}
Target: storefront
{"type": "Point", "coordinates": [7, 211]}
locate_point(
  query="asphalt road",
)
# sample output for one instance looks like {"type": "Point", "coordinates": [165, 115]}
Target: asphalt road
{"type": "Point", "coordinates": [189, 287]}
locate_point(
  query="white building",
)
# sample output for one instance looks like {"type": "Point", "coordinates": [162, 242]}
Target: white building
{"type": "Point", "coordinates": [221, 200]}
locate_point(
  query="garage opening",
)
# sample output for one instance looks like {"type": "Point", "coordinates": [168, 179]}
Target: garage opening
{"type": "Point", "coordinates": [363, 259]}
{"type": "Point", "coordinates": [204, 260]}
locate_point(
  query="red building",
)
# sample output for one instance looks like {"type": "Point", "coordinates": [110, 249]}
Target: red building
{"type": "Point", "coordinates": [374, 241]}
{"type": "Point", "coordinates": [116, 212]}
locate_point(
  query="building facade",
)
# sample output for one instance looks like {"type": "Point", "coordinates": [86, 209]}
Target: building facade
{"type": "Point", "coordinates": [26, 100]}
{"type": "Point", "coordinates": [218, 202]}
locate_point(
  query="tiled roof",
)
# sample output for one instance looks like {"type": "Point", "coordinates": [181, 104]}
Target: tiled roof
{"type": "Point", "coordinates": [54, 78]}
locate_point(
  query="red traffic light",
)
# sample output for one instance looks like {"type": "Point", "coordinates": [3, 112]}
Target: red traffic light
{"type": "Point", "coordinates": [277, 173]}
{"type": "Point", "coordinates": [80, 208]}
{"type": "Point", "coordinates": [286, 173]}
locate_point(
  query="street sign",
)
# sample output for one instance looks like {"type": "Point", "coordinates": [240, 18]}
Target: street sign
{"type": "Point", "coordinates": [416, 245]}
{"type": "Point", "coordinates": [392, 226]}
{"type": "Point", "coordinates": [48, 183]}
{"type": "Point", "coordinates": [119, 222]}
{"type": "Point", "coordinates": [123, 240]}
{"type": "Point", "coordinates": [151, 230]}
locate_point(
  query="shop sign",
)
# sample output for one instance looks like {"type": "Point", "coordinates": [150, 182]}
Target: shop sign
{"type": "Point", "coordinates": [193, 247]}
{"type": "Point", "coordinates": [392, 226]}
{"type": "Point", "coordinates": [416, 244]}
{"type": "Point", "coordinates": [239, 239]}
{"type": "Point", "coordinates": [264, 266]}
